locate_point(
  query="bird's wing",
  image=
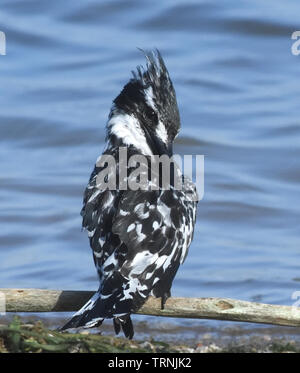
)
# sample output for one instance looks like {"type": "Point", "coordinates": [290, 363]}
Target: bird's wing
{"type": "Point", "coordinates": [138, 238]}
{"type": "Point", "coordinates": [99, 205]}
{"type": "Point", "coordinates": [157, 228]}
{"type": "Point", "coordinates": [147, 222]}
{"type": "Point", "coordinates": [99, 208]}
{"type": "Point", "coordinates": [145, 236]}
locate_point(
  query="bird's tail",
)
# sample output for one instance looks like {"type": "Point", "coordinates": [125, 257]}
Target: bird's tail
{"type": "Point", "coordinates": [95, 311]}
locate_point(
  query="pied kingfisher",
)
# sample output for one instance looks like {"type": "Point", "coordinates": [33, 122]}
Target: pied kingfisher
{"type": "Point", "coordinates": [138, 237]}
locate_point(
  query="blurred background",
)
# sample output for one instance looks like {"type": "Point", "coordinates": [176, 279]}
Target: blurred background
{"type": "Point", "coordinates": [237, 85]}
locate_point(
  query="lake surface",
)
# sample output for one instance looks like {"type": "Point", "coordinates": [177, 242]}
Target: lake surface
{"type": "Point", "coordinates": [238, 91]}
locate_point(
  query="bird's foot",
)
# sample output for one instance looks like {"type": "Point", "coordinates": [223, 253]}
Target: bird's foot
{"type": "Point", "coordinates": [164, 299]}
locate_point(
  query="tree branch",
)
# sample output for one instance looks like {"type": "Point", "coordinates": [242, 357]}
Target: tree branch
{"type": "Point", "coordinates": [38, 300]}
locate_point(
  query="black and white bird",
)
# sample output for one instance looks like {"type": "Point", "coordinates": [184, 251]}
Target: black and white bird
{"type": "Point", "coordinates": [138, 237]}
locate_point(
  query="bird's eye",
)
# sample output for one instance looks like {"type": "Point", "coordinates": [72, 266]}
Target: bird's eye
{"type": "Point", "coordinates": [151, 114]}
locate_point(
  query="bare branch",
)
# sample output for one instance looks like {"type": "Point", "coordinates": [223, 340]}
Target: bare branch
{"type": "Point", "coordinates": [38, 300]}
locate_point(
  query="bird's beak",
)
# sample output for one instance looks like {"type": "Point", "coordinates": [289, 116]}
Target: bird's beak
{"type": "Point", "coordinates": [170, 149]}
{"type": "Point", "coordinates": [163, 148]}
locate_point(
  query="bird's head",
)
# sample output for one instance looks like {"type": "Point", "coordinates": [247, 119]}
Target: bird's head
{"type": "Point", "coordinates": [145, 114]}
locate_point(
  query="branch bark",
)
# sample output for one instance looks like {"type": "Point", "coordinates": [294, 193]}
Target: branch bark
{"type": "Point", "coordinates": [38, 300]}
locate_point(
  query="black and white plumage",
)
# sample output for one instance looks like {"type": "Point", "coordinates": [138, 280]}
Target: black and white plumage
{"type": "Point", "coordinates": [139, 238]}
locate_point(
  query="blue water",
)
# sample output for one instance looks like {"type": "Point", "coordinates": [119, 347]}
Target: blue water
{"type": "Point", "coordinates": [238, 90]}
